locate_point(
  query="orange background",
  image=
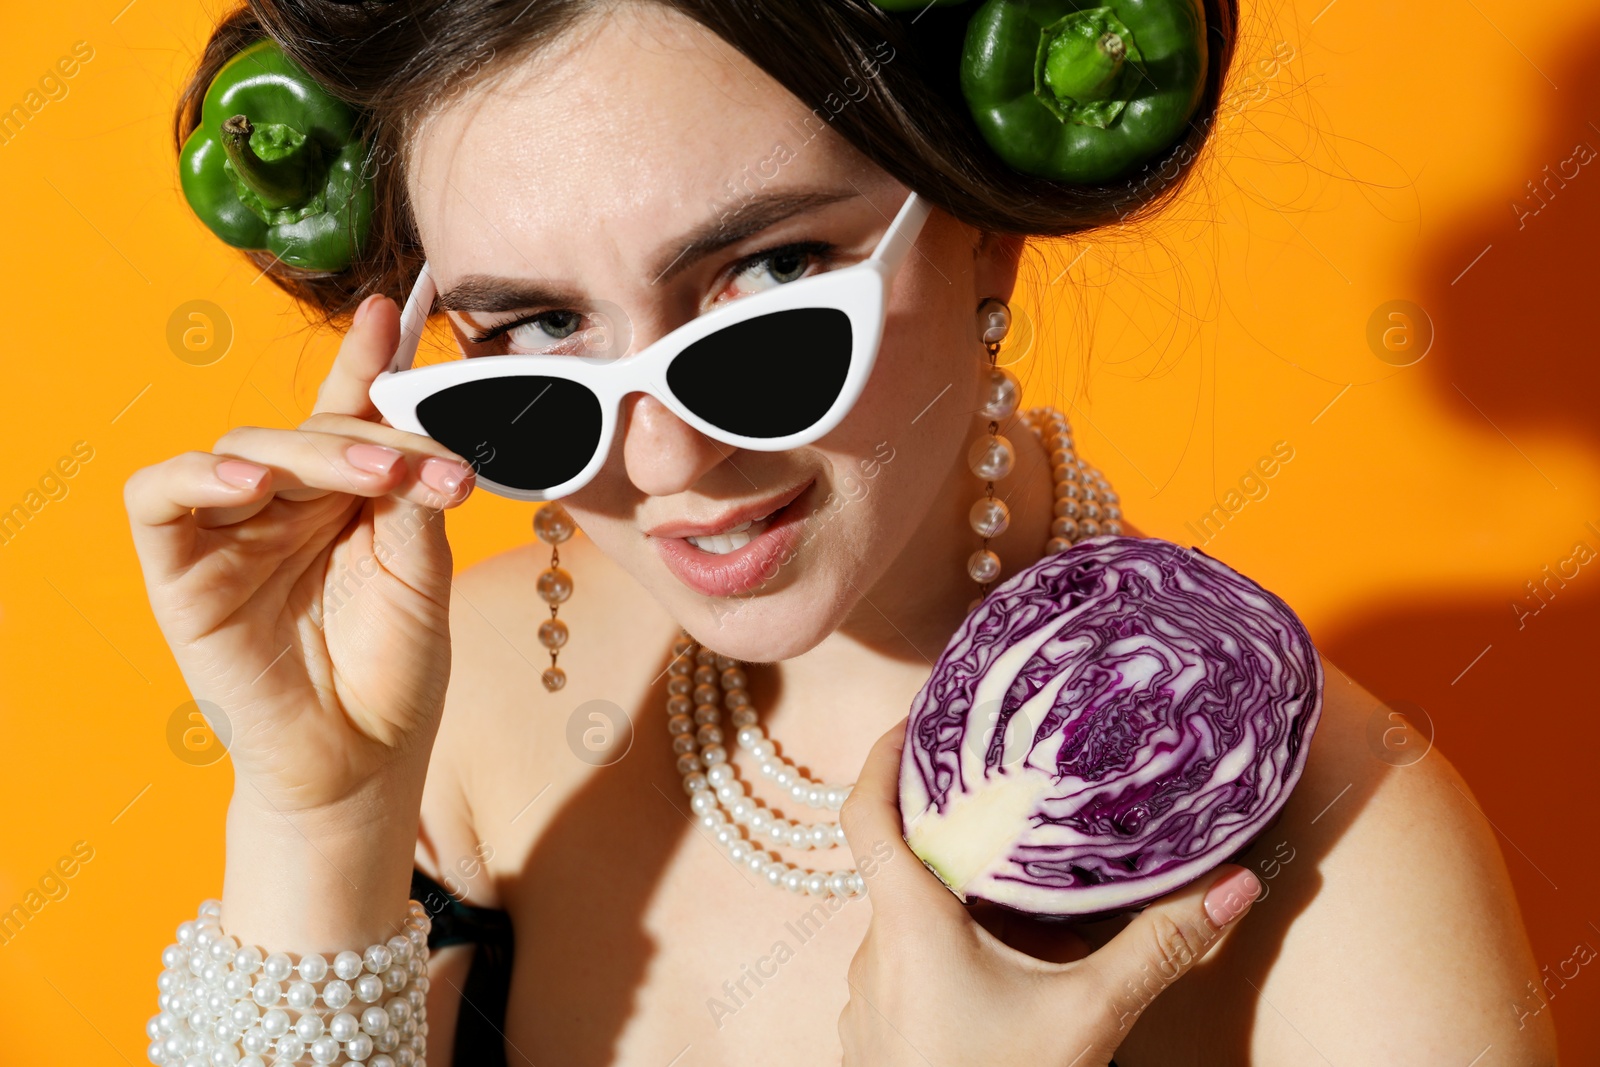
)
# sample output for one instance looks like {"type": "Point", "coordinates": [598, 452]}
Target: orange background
{"type": "Point", "coordinates": [1380, 162]}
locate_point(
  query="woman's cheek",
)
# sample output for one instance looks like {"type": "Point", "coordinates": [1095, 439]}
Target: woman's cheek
{"type": "Point", "coordinates": [851, 487]}
{"type": "Point", "coordinates": [616, 538]}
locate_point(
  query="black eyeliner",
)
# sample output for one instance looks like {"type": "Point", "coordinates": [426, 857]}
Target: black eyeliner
{"type": "Point", "coordinates": [497, 331]}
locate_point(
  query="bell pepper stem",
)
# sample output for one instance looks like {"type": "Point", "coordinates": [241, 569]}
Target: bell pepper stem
{"type": "Point", "coordinates": [1080, 67]}
{"type": "Point", "coordinates": [1111, 45]}
{"type": "Point", "coordinates": [283, 173]}
{"type": "Point", "coordinates": [1081, 71]}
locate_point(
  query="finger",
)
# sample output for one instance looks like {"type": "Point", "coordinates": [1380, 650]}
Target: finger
{"type": "Point", "coordinates": [307, 464]}
{"type": "Point", "coordinates": [896, 879]}
{"type": "Point", "coordinates": [160, 500]}
{"type": "Point", "coordinates": [447, 474]}
{"type": "Point", "coordinates": [1054, 942]}
{"type": "Point", "coordinates": [377, 431]}
{"type": "Point", "coordinates": [363, 354]}
{"type": "Point", "coordinates": [1173, 934]}
{"type": "Point", "coordinates": [435, 468]}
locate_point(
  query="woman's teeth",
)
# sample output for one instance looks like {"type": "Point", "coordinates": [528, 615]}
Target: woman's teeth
{"type": "Point", "coordinates": [730, 539]}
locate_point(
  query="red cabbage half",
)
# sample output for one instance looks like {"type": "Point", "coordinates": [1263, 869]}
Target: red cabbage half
{"type": "Point", "coordinates": [1107, 726]}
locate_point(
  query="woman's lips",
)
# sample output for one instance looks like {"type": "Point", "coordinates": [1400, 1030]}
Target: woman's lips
{"type": "Point", "coordinates": [743, 569]}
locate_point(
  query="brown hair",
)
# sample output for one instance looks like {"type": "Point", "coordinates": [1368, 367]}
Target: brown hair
{"type": "Point", "coordinates": [396, 59]}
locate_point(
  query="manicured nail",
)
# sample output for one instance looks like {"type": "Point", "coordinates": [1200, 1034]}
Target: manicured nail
{"type": "Point", "coordinates": [375, 459]}
{"type": "Point", "coordinates": [239, 474]}
{"type": "Point", "coordinates": [1228, 899]}
{"type": "Point", "coordinates": [364, 308]}
{"type": "Point", "coordinates": [443, 474]}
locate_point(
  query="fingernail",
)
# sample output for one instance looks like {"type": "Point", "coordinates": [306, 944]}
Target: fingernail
{"type": "Point", "coordinates": [377, 459]}
{"type": "Point", "coordinates": [364, 308]}
{"type": "Point", "coordinates": [239, 474]}
{"type": "Point", "coordinates": [1228, 899]}
{"type": "Point", "coordinates": [442, 474]}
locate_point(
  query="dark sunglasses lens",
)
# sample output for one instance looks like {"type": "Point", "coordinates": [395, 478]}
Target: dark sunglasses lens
{"type": "Point", "coordinates": [769, 376]}
{"type": "Point", "coordinates": [525, 432]}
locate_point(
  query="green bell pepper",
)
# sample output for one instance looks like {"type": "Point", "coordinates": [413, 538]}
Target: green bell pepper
{"type": "Point", "coordinates": [1083, 91]}
{"type": "Point", "coordinates": [275, 163]}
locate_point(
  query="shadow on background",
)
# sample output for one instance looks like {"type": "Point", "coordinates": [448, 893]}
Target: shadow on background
{"type": "Point", "coordinates": [1516, 338]}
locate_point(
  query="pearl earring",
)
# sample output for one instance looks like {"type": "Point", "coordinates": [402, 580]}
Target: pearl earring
{"type": "Point", "coordinates": [553, 525]}
{"type": "Point", "coordinates": [992, 457]}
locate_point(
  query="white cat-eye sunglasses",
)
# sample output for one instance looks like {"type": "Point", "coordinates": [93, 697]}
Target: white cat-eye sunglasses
{"type": "Point", "coordinates": [770, 371]}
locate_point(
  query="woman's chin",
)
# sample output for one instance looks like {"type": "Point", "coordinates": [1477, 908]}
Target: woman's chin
{"type": "Point", "coordinates": [779, 618]}
{"type": "Point", "coordinates": [762, 628]}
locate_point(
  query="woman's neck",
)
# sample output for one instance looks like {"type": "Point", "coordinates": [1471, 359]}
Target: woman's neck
{"type": "Point", "coordinates": [913, 609]}
{"type": "Point", "coordinates": [833, 701]}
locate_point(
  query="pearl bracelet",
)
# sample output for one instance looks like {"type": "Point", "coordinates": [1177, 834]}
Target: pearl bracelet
{"type": "Point", "coordinates": [224, 1004]}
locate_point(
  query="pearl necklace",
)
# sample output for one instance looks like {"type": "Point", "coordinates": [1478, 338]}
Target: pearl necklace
{"type": "Point", "coordinates": [701, 684]}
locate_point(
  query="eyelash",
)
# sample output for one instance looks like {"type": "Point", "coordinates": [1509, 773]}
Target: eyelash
{"type": "Point", "coordinates": [820, 249]}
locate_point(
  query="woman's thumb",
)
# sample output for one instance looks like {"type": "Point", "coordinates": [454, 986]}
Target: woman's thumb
{"type": "Point", "coordinates": [1171, 935]}
{"type": "Point", "coordinates": [409, 540]}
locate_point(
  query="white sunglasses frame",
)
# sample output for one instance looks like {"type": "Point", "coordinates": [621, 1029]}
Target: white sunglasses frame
{"type": "Point", "coordinates": [859, 290]}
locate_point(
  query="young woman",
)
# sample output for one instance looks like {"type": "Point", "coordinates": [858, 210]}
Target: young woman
{"type": "Point", "coordinates": [575, 172]}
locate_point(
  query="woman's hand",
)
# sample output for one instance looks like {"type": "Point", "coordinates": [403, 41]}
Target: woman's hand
{"type": "Point", "coordinates": [931, 986]}
{"type": "Point", "coordinates": [302, 578]}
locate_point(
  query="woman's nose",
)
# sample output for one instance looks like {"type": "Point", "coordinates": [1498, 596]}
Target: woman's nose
{"type": "Point", "coordinates": [662, 453]}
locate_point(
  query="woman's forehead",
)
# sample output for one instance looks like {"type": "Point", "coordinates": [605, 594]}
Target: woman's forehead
{"type": "Point", "coordinates": [638, 123]}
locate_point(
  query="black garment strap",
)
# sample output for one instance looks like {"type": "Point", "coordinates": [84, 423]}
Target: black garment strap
{"type": "Point", "coordinates": [455, 923]}
{"type": "Point", "coordinates": [481, 1022]}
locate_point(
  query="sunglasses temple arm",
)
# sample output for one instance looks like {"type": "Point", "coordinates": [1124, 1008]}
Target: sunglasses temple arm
{"type": "Point", "coordinates": [902, 233]}
{"type": "Point", "coordinates": [413, 319]}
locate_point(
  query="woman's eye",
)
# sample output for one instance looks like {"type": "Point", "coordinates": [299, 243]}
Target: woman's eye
{"type": "Point", "coordinates": [563, 332]}
{"type": "Point", "coordinates": [772, 269]}
{"type": "Point", "coordinates": [540, 332]}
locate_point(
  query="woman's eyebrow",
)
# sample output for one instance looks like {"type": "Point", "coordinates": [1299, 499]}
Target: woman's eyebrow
{"type": "Point", "coordinates": [734, 225]}
{"type": "Point", "coordinates": [491, 292]}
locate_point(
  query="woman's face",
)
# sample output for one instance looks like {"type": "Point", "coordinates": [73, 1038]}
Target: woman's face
{"type": "Point", "coordinates": [642, 166]}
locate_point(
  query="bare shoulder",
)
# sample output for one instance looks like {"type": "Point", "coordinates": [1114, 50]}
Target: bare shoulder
{"type": "Point", "coordinates": [504, 737]}
{"type": "Point", "coordinates": [1409, 908]}
{"type": "Point", "coordinates": [1388, 931]}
